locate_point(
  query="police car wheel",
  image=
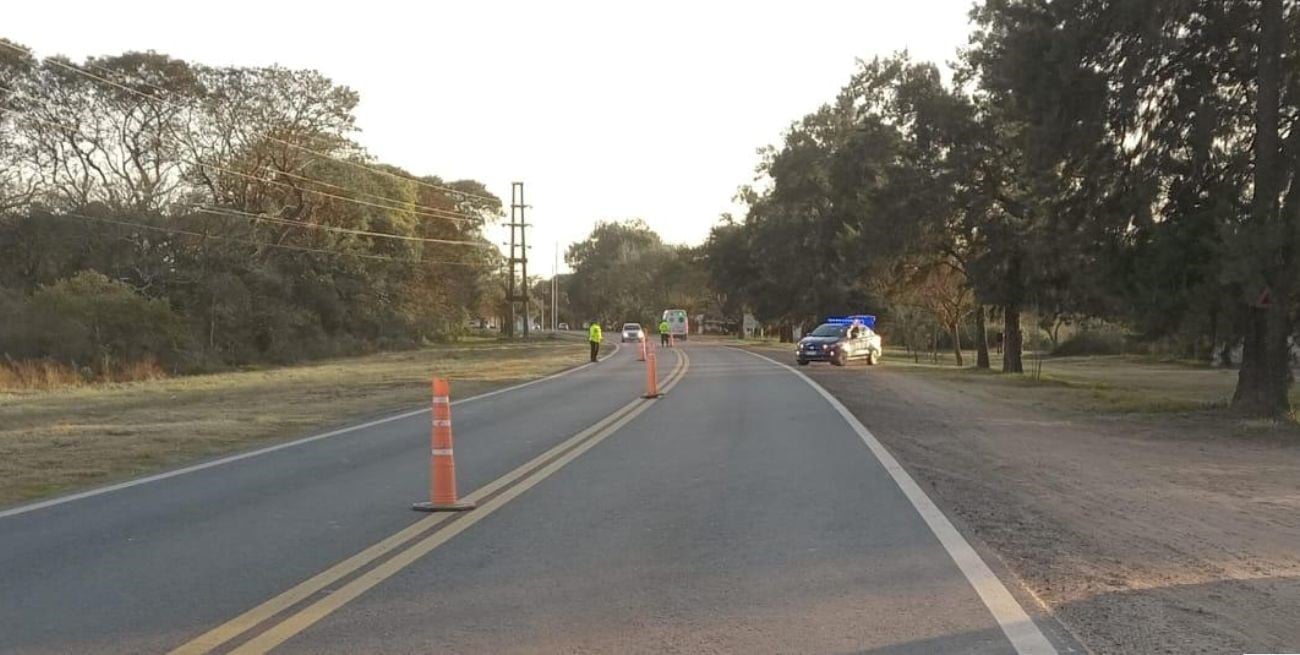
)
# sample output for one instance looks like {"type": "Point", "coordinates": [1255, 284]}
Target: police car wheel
{"type": "Point", "coordinates": [839, 359]}
{"type": "Point", "coordinates": [871, 359]}
{"type": "Point", "coordinates": [802, 362]}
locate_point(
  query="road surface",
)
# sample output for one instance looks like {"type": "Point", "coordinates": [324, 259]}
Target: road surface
{"type": "Point", "coordinates": [741, 512]}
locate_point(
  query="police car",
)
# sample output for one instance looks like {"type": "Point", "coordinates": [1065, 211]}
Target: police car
{"type": "Point", "coordinates": [840, 339]}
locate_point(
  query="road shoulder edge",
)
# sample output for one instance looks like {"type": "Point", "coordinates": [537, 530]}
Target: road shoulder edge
{"type": "Point", "coordinates": [1020, 629]}
{"type": "Point", "coordinates": [26, 508]}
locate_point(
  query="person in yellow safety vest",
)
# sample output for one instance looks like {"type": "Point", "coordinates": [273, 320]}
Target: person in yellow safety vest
{"type": "Point", "coordinates": [663, 333]}
{"type": "Point", "coordinates": [593, 335]}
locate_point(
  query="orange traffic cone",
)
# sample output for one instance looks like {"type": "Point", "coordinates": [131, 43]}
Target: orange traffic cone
{"type": "Point", "coordinates": [651, 377]}
{"type": "Point", "coordinates": [442, 465]}
{"type": "Point", "coordinates": [640, 355]}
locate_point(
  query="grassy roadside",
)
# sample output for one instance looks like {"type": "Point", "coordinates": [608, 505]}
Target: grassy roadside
{"type": "Point", "coordinates": [1115, 384]}
{"type": "Point", "coordinates": [1098, 385]}
{"type": "Point", "coordinates": [55, 441]}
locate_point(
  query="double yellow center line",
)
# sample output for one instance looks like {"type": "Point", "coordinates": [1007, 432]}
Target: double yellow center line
{"type": "Point", "coordinates": [489, 498]}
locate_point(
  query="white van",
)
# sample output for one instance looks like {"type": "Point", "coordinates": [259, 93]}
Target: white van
{"type": "Point", "coordinates": [677, 325]}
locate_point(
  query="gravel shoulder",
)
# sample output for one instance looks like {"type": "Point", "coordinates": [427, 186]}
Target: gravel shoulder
{"type": "Point", "coordinates": [1141, 533]}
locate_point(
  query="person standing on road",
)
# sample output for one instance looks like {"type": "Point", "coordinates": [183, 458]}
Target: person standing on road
{"type": "Point", "coordinates": [663, 333]}
{"type": "Point", "coordinates": [594, 336]}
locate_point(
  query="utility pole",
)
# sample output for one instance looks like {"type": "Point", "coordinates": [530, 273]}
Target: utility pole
{"type": "Point", "coordinates": [555, 270]}
{"type": "Point", "coordinates": [523, 256]}
{"type": "Point", "coordinates": [518, 256]}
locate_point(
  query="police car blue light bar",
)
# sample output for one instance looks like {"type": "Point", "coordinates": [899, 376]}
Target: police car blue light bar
{"type": "Point", "coordinates": [861, 319]}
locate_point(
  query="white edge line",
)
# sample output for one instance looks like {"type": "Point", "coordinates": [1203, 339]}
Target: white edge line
{"type": "Point", "coordinates": [31, 507]}
{"type": "Point", "coordinates": [1023, 633]}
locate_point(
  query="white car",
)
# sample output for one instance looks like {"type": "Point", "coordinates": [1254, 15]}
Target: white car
{"type": "Point", "coordinates": [632, 332]}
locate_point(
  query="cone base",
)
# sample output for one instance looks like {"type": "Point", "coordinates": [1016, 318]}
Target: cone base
{"type": "Point", "coordinates": [459, 506]}
{"type": "Point", "coordinates": [652, 396]}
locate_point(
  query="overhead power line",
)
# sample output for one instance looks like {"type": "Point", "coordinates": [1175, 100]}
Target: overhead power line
{"type": "Point", "coordinates": [230, 171]}
{"type": "Point", "coordinates": [434, 212]}
{"type": "Point", "coordinates": [324, 194]}
{"type": "Point", "coordinates": [235, 213]}
{"type": "Point", "coordinates": [260, 244]}
{"type": "Point", "coordinates": [350, 162]}
{"type": "Point", "coordinates": [431, 212]}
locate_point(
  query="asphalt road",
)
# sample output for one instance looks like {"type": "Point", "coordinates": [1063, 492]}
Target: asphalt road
{"type": "Point", "coordinates": [741, 512]}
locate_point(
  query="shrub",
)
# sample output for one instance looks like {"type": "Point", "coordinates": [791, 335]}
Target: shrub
{"type": "Point", "coordinates": [89, 319]}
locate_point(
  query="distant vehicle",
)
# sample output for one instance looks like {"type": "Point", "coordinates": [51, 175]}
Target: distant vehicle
{"type": "Point", "coordinates": [564, 326]}
{"type": "Point", "coordinates": [677, 324]}
{"type": "Point", "coordinates": [841, 339]}
{"type": "Point", "coordinates": [632, 332]}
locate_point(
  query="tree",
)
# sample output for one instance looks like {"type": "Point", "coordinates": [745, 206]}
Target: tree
{"type": "Point", "coordinates": [730, 269]}
{"type": "Point", "coordinates": [925, 225]}
{"type": "Point", "coordinates": [804, 233]}
{"type": "Point", "coordinates": [236, 197]}
{"type": "Point", "coordinates": [937, 286]}
{"type": "Point", "coordinates": [1171, 126]}
{"type": "Point", "coordinates": [1271, 235]}
{"type": "Point", "coordinates": [624, 272]}
{"type": "Point", "coordinates": [613, 271]}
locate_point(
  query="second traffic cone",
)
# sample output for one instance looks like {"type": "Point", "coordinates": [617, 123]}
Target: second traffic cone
{"type": "Point", "coordinates": [442, 464]}
{"type": "Point", "coordinates": [651, 377]}
{"type": "Point", "coordinates": [640, 355]}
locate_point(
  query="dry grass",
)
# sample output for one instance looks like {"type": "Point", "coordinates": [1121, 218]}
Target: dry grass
{"type": "Point", "coordinates": [40, 375]}
{"type": "Point", "coordinates": [137, 371]}
{"type": "Point", "coordinates": [45, 375]}
{"type": "Point", "coordinates": [52, 441]}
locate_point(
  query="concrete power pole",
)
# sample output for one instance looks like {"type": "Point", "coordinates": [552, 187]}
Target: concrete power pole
{"type": "Point", "coordinates": [523, 256]}
{"type": "Point", "coordinates": [518, 256]}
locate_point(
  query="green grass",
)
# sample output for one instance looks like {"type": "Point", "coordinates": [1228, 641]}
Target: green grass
{"type": "Point", "coordinates": [54, 441]}
{"type": "Point", "coordinates": [1115, 384]}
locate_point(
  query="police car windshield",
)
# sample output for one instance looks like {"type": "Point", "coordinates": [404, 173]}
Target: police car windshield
{"type": "Point", "coordinates": [828, 330]}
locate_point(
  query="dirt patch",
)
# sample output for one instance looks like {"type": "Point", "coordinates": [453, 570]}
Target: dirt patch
{"type": "Point", "coordinates": [1142, 533]}
{"type": "Point", "coordinates": [54, 441]}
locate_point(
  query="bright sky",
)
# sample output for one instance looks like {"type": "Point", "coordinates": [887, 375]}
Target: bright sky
{"type": "Point", "coordinates": [605, 110]}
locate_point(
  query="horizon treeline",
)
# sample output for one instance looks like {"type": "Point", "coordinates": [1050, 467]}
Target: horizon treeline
{"type": "Point", "coordinates": [1134, 163]}
{"type": "Point", "coordinates": [201, 217]}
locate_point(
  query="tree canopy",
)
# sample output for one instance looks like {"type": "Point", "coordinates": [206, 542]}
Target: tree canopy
{"type": "Point", "coordinates": [623, 271]}
{"type": "Point", "coordinates": [1137, 163]}
{"type": "Point", "coordinates": [234, 198]}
